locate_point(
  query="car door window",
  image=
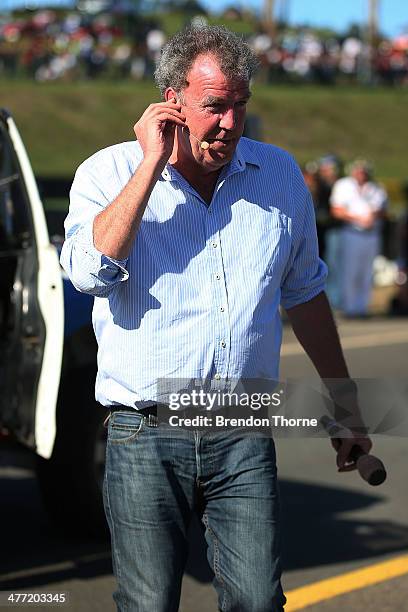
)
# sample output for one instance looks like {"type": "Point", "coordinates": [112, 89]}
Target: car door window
{"type": "Point", "coordinates": [15, 225]}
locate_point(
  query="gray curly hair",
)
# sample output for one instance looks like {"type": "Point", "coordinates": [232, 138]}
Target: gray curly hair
{"type": "Point", "coordinates": [235, 57]}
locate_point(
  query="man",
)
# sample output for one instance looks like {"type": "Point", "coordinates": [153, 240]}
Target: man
{"type": "Point", "coordinates": [190, 238]}
{"type": "Point", "coordinates": [360, 204]}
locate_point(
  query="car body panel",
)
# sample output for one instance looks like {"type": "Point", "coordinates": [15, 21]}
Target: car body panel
{"type": "Point", "coordinates": [36, 333]}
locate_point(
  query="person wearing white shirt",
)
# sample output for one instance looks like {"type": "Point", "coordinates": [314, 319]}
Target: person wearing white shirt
{"type": "Point", "coordinates": [360, 203]}
{"type": "Point", "coordinates": [190, 239]}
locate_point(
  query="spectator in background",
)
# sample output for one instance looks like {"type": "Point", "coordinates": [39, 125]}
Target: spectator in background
{"type": "Point", "coordinates": [351, 52]}
{"type": "Point", "coordinates": [328, 227]}
{"type": "Point", "coordinates": [360, 203]}
{"type": "Point", "coordinates": [309, 172]}
{"type": "Point", "coordinates": [155, 40]}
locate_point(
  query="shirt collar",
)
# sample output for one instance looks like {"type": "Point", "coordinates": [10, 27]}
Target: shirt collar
{"type": "Point", "coordinates": [168, 174]}
{"type": "Point", "coordinates": [243, 155]}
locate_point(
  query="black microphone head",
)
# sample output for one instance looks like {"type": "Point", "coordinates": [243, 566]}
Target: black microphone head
{"type": "Point", "coordinates": [377, 477]}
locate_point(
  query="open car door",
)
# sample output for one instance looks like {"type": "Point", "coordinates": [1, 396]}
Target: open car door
{"type": "Point", "coordinates": [31, 302]}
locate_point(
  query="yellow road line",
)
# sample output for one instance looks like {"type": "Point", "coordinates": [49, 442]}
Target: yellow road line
{"type": "Point", "coordinates": [300, 598]}
{"type": "Point", "coordinates": [354, 342]}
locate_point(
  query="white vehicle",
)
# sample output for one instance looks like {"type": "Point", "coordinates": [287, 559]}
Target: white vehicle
{"type": "Point", "coordinates": [47, 361]}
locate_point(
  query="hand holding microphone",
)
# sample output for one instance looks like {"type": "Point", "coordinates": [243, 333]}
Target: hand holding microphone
{"type": "Point", "coordinates": [354, 452]}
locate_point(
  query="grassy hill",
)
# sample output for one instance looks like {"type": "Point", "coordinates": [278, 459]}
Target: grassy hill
{"type": "Point", "coordinates": [63, 123]}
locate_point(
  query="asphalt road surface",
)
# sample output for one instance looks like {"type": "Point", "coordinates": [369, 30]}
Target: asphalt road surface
{"type": "Point", "coordinates": [334, 524]}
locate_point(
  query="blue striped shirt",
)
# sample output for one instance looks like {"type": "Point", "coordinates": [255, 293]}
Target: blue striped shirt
{"type": "Point", "coordinates": [199, 295]}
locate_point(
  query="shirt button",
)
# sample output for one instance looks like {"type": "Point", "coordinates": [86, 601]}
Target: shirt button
{"type": "Point", "coordinates": [217, 276]}
{"type": "Point", "coordinates": [217, 376]}
{"type": "Point", "coordinates": [222, 308]}
{"type": "Point", "coordinates": [214, 245]}
{"type": "Point", "coordinates": [223, 343]}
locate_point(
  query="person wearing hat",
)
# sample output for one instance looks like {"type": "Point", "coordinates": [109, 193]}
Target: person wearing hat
{"type": "Point", "coordinates": [360, 203]}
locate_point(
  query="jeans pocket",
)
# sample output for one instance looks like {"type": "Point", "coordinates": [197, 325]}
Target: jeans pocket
{"type": "Point", "coordinates": [124, 427]}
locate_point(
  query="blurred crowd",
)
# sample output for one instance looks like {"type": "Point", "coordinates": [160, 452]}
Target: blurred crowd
{"type": "Point", "coordinates": [351, 209]}
{"type": "Point", "coordinates": [47, 45]}
{"type": "Point", "coordinates": [304, 56]}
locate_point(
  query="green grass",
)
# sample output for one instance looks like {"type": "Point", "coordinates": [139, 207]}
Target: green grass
{"type": "Point", "coordinates": [174, 21]}
{"type": "Point", "coordinates": [309, 121]}
{"type": "Point", "coordinates": [63, 123]}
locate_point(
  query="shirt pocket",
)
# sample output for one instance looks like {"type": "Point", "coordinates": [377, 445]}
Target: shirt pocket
{"type": "Point", "coordinates": [268, 245]}
{"type": "Point", "coordinates": [279, 247]}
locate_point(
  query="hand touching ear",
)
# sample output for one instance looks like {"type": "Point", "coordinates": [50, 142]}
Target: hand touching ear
{"type": "Point", "coordinates": [155, 129]}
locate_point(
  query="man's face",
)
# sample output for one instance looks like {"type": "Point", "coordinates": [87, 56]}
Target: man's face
{"type": "Point", "coordinates": [215, 109]}
{"type": "Point", "coordinates": [328, 172]}
{"type": "Point", "coordinates": [360, 174]}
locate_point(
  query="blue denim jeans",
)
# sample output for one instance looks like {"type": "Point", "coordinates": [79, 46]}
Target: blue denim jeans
{"type": "Point", "coordinates": [155, 478]}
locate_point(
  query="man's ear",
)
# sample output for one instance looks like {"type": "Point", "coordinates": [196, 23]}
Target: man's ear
{"type": "Point", "coordinates": [169, 94]}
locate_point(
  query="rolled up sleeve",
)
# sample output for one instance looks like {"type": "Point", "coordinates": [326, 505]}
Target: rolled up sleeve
{"type": "Point", "coordinates": [89, 270]}
{"type": "Point", "coordinates": [305, 274]}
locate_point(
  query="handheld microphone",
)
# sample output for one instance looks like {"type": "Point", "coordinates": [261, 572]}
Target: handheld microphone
{"type": "Point", "coordinates": [370, 468]}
